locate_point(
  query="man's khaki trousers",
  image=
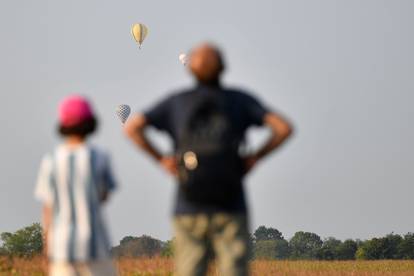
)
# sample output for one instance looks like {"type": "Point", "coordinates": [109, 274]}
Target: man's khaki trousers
{"type": "Point", "coordinates": [199, 237]}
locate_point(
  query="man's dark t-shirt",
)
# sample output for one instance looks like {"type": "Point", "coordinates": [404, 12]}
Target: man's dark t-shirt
{"type": "Point", "coordinates": [170, 116]}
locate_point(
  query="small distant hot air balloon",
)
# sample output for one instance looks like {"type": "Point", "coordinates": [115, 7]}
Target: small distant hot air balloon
{"type": "Point", "coordinates": [139, 32]}
{"type": "Point", "coordinates": [123, 112]}
{"type": "Point", "coordinates": [183, 58]}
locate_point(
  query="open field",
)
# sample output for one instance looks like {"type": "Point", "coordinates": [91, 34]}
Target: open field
{"type": "Point", "coordinates": [164, 266]}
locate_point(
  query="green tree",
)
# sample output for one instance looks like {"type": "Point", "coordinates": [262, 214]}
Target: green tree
{"type": "Point", "coordinates": [24, 242]}
{"type": "Point", "coordinates": [406, 247]}
{"type": "Point", "coordinates": [263, 233]}
{"type": "Point", "coordinates": [329, 249]}
{"type": "Point", "coordinates": [127, 239]}
{"type": "Point", "coordinates": [3, 251]}
{"type": "Point", "coordinates": [387, 247]}
{"type": "Point", "coordinates": [271, 249]}
{"type": "Point", "coordinates": [366, 251]}
{"type": "Point", "coordinates": [138, 247]}
{"type": "Point", "coordinates": [305, 245]}
{"type": "Point", "coordinates": [347, 250]}
{"type": "Point", "coordinates": [168, 249]}
{"type": "Point", "coordinates": [392, 243]}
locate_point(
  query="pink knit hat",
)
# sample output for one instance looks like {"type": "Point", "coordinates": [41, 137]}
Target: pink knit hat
{"type": "Point", "coordinates": [74, 110]}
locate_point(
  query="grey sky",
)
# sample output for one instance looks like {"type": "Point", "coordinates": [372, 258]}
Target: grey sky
{"type": "Point", "coordinates": [340, 70]}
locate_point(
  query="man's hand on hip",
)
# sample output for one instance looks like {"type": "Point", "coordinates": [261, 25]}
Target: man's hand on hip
{"type": "Point", "coordinates": [169, 163]}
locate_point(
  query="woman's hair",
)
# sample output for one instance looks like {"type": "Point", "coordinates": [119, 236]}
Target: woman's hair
{"type": "Point", "coordinates": [83, 129]}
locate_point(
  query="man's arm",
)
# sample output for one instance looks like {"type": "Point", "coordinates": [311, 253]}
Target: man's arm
{"type": "Point", "coordinates": [135, 130]}
{"type": "Point", "coordinates": [280, 131]}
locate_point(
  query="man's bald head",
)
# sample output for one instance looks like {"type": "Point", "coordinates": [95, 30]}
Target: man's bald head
{"type": "Point", "coordinates": [206, 63]}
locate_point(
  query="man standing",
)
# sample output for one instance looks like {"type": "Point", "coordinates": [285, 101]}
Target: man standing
{"type": "Point", "coordinates": [208, 123]}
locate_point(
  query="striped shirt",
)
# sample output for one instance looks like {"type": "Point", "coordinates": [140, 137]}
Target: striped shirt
{"type": "Point", "coordinates": [72, 182]}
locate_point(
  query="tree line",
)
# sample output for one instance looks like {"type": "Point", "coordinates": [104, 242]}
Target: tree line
{"type": "Point", "coordinates": [269, 243]}
{"type": "Point", "coordinates": [266, 243]}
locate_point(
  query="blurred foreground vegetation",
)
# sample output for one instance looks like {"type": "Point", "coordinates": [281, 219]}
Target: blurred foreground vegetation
{"type": "Point", "coordinates": [37, 266]}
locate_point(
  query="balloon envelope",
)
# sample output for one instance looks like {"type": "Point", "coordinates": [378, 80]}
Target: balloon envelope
{"type": "Point", "coordinates": [183, 58]}
{"type": "Point", "coordinates": [139, 32]}
{"type": "Point", "coordinates": [123, 112]}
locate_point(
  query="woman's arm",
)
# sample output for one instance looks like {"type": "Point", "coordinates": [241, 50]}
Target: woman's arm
{"type": "Point", "coordinates": [46, 221]}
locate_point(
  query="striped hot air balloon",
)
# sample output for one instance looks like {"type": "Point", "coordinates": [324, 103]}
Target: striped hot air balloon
{"type": "Point", "coordinates": [139, 32]}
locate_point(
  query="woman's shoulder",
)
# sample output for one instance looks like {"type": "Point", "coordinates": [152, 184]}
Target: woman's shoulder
{"type": "Point", "coordinates": [99, 154]}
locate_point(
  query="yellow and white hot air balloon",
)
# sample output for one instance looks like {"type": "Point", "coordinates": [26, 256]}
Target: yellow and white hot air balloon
{"type": "Point", "coordinates": [139, 32]}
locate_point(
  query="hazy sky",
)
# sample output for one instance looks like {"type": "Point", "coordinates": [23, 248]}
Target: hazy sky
{"type": "Point", "coordinates": [342, 71]}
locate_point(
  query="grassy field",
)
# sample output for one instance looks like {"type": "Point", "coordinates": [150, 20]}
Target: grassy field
{"type": "Point", "coordinates": [163, 266]}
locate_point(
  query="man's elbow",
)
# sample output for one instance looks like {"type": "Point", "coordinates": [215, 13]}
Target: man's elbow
{"type": "Point", "coordinates": [287, 130]}
{"type": "Point", "coordinates": [280, 126]}
{"type": "Point", "coordinates": [134, 125]}
{"type": "Point", "coordinates": [129, 130]}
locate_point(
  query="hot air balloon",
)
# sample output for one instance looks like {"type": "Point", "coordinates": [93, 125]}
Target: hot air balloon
{"type": "Point", "coordinates": [123, 112]}
{"type": "Point", "coordinates": [139, 31]}
{"type": "Point", "coordinates": [183, 58]}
